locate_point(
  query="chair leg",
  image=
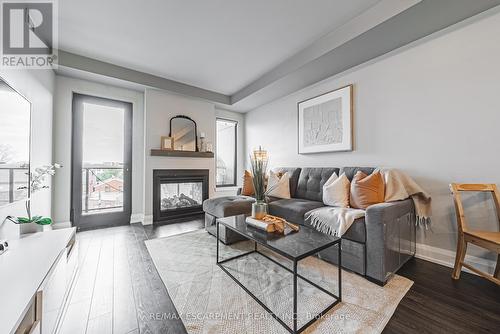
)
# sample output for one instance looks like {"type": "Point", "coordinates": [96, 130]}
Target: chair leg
{"type": "Point", "coordinates": [459, 258]}
{"type": "Point", "coordinates": [497, 268]}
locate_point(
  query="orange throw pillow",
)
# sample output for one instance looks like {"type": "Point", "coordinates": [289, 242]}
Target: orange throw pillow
{"type": "Point", "coordinates": [366, 190]}
{"type": "Point", "coordinates": [247, 188]}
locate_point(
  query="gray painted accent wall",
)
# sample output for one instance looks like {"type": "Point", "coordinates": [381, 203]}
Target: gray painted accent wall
{"type": "Point", "coordinates": [430, 110]}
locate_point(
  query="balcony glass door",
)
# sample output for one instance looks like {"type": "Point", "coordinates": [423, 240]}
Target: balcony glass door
{"type": "Point", "coordinates": [102, 132]}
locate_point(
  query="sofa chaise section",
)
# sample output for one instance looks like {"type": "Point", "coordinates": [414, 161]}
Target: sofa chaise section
{"type": "Point", "coordinates": [226, 206]}
{"type": "Point", "coordinates": [293, 209]}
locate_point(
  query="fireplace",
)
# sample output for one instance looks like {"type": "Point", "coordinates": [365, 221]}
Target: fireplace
{"type": "Point", "coordinates": [178, 193]}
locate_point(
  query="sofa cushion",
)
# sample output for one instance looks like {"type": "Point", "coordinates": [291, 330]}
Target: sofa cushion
{"type": "Point", "coordinates": [247, 187]}
{"type": "Point", "coordinates": [311, 181]}
{"type": "Point", "coordinates": [278, 185]}
{"type": "Point", "coordinates": [336, 191]}
{"type": "Point", "coordinates": [357, 231]}
{"type": "Point", "coordinates": [294, 177]}
{"type": "Point", "coordinates": [366, 190]}
{"type": "Point", "coordinates": [228, 206]}
{"type": "Point", "coordinates": [293, 209]}
{"type": "Point", "coordinates": [351, 171]}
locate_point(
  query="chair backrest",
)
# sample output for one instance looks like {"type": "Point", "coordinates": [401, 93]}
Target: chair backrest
{"type": "Point", "coordinates": [456, 188]}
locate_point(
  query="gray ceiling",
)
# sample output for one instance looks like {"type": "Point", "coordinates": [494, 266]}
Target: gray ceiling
{"type": "Point", "coordinates": [241, 53]}
{"type": "Point", "coordinates": [218, 45]}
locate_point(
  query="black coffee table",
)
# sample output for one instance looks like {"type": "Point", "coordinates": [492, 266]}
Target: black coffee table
{"type": "Point", "coordinates": [295, 247]}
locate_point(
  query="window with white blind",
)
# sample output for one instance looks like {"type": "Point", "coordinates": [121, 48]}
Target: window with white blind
{"type": "Point", "coordinates": [226, 152]}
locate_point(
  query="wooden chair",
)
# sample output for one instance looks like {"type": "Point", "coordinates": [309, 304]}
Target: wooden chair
{"type": "Point", "coordinates": [484, 239]}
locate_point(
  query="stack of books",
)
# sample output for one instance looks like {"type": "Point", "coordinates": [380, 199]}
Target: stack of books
{"type": "Point", "coordinates": [260, 224]}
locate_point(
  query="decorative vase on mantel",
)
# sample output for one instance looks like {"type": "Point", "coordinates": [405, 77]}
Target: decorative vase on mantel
{"type": "Point", "coordinates": [258, 160]}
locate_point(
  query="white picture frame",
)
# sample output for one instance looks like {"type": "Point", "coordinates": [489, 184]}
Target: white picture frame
{"type": "Point", "coordinates": [167, 143]}
{"type": "Point", "coordinates": [325, 122]}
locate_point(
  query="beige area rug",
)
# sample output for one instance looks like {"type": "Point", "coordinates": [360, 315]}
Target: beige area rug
{"type": "Point", "coordinates": [209, 301]}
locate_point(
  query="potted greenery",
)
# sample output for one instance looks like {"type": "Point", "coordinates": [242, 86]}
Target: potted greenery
{"type": "Point", "coordinates": [37, 178]}
{"type": "Point", "coordinates": [258, 160]}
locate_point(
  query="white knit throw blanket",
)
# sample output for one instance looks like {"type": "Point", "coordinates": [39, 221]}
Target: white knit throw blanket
{"type": "Point", "coordinates": [333, 220]}
{"type": "Point", "coordinates": [399, 186]}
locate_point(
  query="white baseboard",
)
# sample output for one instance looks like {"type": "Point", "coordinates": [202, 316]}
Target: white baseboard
{"type": "Point", "coordinates": [446, 258]}
{"type": "Point", "coordinates": [148, 220]}
{"type": "Point", "coordinates": [136, 218]}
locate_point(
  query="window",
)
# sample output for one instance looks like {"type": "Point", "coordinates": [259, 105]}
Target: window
{"type": "Point", "coordinates": [226, 152]}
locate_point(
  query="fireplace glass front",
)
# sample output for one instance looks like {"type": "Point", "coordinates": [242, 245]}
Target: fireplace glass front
{"type": "Point", "coordinates": [180, 195]}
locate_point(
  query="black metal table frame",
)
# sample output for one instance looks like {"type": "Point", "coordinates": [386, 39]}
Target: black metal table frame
{"type": "Point", "coordinates": [295, 275]}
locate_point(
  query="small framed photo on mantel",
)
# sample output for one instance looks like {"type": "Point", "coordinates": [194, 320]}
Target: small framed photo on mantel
{"type": "Point", "coordinates": [325, 122]}
{"type": "Point", "coordinates": [167, 143]}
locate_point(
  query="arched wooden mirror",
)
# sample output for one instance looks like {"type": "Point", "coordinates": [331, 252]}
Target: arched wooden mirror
{"type": "Point", "coordinates": [183, 131]}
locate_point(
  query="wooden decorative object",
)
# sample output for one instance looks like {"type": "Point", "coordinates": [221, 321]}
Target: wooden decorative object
{"type": "Point", "coordinates": [167, 143]}
{"type": "Point", "coordinates": [485, 239]}
{"type": "Point", "coordinates": [182, 154]}
{"type": "Point", "coordinates": [279, 223]}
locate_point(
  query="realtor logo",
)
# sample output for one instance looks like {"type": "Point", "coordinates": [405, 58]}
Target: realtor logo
{"type": "Point", "coordinates": [28, 34]}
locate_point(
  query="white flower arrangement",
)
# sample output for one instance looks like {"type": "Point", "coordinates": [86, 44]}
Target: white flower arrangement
{"type": "Point", "coordinates": [37, 182]}
{"type": "Point", "coordinates": [39, 175]}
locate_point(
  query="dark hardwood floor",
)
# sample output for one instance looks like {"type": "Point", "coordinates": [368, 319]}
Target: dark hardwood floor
{"type": "Point", "coordinates": [118, 290]}
{"type": "Point", "coordinates": [438, 304]}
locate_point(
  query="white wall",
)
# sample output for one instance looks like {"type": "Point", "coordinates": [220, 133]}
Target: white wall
{"type": "Point", "coordinates": [65, 87]}
{"type": "Point", "coordinates": [431, 110]}
{"type": "Point", "coordinates": [160, 106]}
{"type": "Point", "coordinates": [38, 87]}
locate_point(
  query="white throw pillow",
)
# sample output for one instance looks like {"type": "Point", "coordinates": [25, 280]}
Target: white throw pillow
{"type": "Point", "coordinates": [278, 186]}
{"type": "Point", "coordinates": [336, 191]}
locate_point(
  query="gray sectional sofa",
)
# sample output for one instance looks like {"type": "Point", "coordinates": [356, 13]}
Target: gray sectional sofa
{"type": "Point", "coordinates": [375, 246]}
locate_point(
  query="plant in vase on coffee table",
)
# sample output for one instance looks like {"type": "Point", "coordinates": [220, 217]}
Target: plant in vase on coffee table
{"type": "Point", "coordinates": [258, 161]}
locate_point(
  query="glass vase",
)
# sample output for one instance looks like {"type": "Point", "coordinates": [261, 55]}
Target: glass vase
{"type": "Point", "coordinates": [259, 209]}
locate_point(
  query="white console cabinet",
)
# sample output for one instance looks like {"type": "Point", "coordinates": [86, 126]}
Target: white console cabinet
{"type": "Point", "coordinates": [36, 275]}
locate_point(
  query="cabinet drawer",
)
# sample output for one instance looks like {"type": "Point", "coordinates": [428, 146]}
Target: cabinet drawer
{"type": "Point", "coordinates": [72, 263]}
{"type": "Point", "coordinates": [52, 292]}
{"type": "Point", "coordinates": [28, 320]}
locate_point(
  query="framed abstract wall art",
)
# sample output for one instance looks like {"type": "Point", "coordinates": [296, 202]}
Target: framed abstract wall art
{"type": "Point", "coordinates": [325, 122]}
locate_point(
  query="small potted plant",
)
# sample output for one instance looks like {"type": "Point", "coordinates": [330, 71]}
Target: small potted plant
{"type": "Point", "coordinates": [258, 160]}
{"type": "Point", "coordinates": [35, 223]}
